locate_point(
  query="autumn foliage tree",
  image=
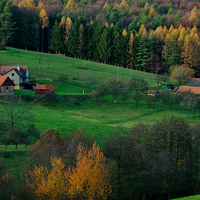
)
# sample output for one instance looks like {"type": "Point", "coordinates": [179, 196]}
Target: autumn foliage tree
{"type": "Point", "coordinates": [88, 179]}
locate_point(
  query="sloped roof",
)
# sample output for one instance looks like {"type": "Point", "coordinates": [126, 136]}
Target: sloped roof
{"type": "Point", "coordinates": [22, 71]}
{"type": "Point", "coordinates": [193, 90]}
{"type": "Point", "coordinates": [194, 82]}
{"type": "Point", "coordinates": [44, 87]}
{"type": "Point", "coordinates": [3, 79]}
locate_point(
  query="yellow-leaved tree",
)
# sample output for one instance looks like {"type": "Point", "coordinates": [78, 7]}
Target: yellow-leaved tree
{"type": "Point", "coordinates": [45, 22]}
{"type": "Point", "coordinates": [40, 6]}
{"type": "Point", "coordinates": [124, 33]}
{"type": "Point", "coordinates": [27, 4]}
{"type": "Point", "coordinates": [123, 4]}
{"type": "Point", "coordinates": [88, 179]}
{"type": "Point", "coordinates": [70, 4]}
{"type": "Point", "coordinates": [130, 59]}
{"type": "Point", "coordinates": [152, 12]}
{"type": "Point", "coordinates": [105, 6]}
{"type": "Point", "coordinates": [48, 184]}
{"type": "Point", "coordinates": [194, 16]}
{"type": "Point", "coordinates": [142, 28]}
{"type": "Point", "coordinates": [68, 29]}
{"type": "Point", "coordinates": [190, 51]}
{"type": "Point", "coordinates": [44, 18]}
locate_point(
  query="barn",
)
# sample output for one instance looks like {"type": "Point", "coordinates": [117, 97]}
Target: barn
{"type": "Point", "coordinates": [43, 89]}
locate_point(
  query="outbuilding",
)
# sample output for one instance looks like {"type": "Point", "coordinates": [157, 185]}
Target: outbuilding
{"type": "Point", "coordinates": [43, 89]}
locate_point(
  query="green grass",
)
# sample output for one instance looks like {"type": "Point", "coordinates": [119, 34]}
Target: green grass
{"type": "Point", "coordinates": [69, 66]}
{"type": "Point", "coordinates": [195, 197]}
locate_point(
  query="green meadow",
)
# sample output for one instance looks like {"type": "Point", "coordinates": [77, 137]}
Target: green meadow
{"type": "Point", "coordinates": [98, 118]}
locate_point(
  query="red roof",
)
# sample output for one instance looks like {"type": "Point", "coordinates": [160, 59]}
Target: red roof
{"type": "Point", "coordinates": [193, 90]}
{"type": "Point", "coordinates": [3, 79]}
{"type": "Point", "coordinates": [44, 87]}
{"type": "Point", "coordinates": [4, 69]}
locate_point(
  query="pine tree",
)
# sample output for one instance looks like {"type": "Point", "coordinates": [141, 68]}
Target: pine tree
{"type": "Point", "coordinates": [74, 37]}
{"type": "Point", "coordinates": [143, 54]}
{"type": "Point", "coordinates": [26, 31]}
{"type": "Point", "coordinates": [177, 17]}
{"type": "Point", "coordinates": [57, 40]}
{"type": "Point", "coordinates": [173, 52]}
{"type": "Point", "coordinates": [6, 25]}
{"type": "Point", "coordinates": [104, 47]}
{"type": "Point", "coordinates": [81, 46]}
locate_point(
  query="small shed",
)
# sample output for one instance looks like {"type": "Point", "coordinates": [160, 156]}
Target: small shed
{"type": "Point", "coordinates": [43, 89]}
{"type": "Point", "coordinates": [167, 86]}
{"type": "Point", "coordinates": [151, 92]}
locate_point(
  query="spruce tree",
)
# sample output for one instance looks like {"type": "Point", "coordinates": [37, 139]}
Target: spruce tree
{"type": "Point", "coordinates": [57, 41]}
{"type": "Point", "coordinates": [104, 47]}
{"type": "Point", "coordinates": [6, 25]}
{"type": "Point", "coordinates": [81, 46]}
{"type": "Point", "coordinates": [143, 54]}
{"type": "Point", "coordinates": [173, 52]}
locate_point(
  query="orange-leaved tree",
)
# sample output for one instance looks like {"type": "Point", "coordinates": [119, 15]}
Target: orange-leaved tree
{"type": "Point", "coordinates": [90, 178]}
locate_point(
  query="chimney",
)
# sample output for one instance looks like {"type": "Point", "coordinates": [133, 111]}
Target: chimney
{"type": "Point", "coordinates": [18, 68]}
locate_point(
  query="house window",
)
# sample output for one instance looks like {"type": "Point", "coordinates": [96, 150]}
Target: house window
{"type": "Point", "coordinates": [6, 88]}
{"type": "Point", "coordinates": [13, 74]}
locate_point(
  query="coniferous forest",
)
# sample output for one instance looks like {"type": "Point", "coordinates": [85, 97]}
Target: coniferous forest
{"type": "Point", "coordinates": [144, 35]}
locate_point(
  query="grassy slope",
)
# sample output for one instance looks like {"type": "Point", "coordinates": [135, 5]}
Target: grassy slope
{"type": "Point", "coordinates": [97, 119]}
{"type": "Point", "coordinates": [195, 197]}
{"type": "Point", "coordinates": [68, 65]}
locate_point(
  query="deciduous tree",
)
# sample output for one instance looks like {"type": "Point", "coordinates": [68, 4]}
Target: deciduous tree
{"type": "Point", "coordinates": [181, 73]}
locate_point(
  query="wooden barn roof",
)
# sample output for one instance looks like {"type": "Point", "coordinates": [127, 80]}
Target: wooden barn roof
{"type": "Point", "coordinates": [44, 87]}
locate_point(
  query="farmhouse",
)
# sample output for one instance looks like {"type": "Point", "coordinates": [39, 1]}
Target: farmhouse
{"type": "Point", "coordinates": [190, 89]}
{"type": "Point", "coordinates": [6, 85]}
{"type": "Point", "coordinates": [18, 74]}
{"type": "Point", "coordinates": [43, 89]}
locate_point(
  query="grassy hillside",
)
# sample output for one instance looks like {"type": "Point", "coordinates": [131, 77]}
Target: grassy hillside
{"type": "Point", "coordinates": [70, 66]}
{"type": "Point", "coordinates": [195, 197]}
